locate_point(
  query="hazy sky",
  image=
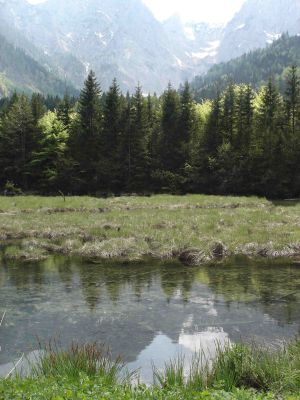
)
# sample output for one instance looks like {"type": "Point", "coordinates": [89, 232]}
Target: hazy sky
{"type": "Point", "coordinates": [214, 11]}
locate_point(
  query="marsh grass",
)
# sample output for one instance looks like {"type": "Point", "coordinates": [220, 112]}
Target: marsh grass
{"type": "Point", "coordinates": [193, 228]}
{"type": "Point", "coordinates": [249, 370]}
{"type": "Point", "coordinates": [258, 367]}
{"type": "Point", "coordinates": [247, 366]}
{"type": "Point", "coordinates": [176, 373]}
{"type": "Point", "coordinates": [92, 360]}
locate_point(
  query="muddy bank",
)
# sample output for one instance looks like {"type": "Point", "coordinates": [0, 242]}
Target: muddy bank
{"type": "Point", "coordinates": [132, 249]}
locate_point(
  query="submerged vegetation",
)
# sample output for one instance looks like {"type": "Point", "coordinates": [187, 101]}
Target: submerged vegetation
{"type": "Point", "coordinates": [194, 229]}
{"type": "Point", "coordinates": [87, 372]}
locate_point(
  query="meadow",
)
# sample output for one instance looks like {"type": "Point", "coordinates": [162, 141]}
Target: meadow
{"type": "Point", "coordinates": [194, 229]}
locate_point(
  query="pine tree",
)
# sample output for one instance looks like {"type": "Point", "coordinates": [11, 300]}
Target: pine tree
{"type": "Point", "coordinates": [38, 106]}
{"type": "Point", "coordinates": [18, 139]}
{"type": "Point", "coordinates": [86, 136]}
{"type": "Point", "coordinates": [269, 132]}
{"type": "Point", "coordinates": [212, 138]}
{"type": "Point", "coordinates": [138, 157]}
{"type": "Point", "coordinates": [64, 110]}
{"type": "Point", "coordinates": [111, 137]}
{"type": "Point", "coordinates": [245, 114]}
{"type": "Point", "coordinates": [187, 125]}
{"type": "Point", "coordinates": [292, 103]}
{"type": "Point", "coordinates": [170, 146]}
{"type": "Point", "coordinates": [228, 120]}
{"type": "Point", "coordinates": [269, 117]}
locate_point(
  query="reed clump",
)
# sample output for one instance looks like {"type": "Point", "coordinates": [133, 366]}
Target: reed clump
{"type": "Point", "coordinates": [92, 360]}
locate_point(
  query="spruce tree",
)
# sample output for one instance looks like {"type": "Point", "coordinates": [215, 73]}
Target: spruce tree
{"type": "Point", "coordinates": [187, 124]}
{"type": "Point", "coordinates": [292, 102]}
{"type": "Point", "coordinates": [111, 139]}
{"type": "Point", "coordinates": [228, 120]}
{"type": "Point", "coordinates": [86, 136]}
{"type": "Point", "coordinates": [269, 132]}
{"type": "Point", "coordinates": [38, 106]}
{"type": "Point", "coordinates": [170, 146]}
{"type": "Point", "coordinates": [18, 139]}
{"type": "Point", "coordinates": [138, 157]}
{"type": "Point", "coordinates": [64, 110]}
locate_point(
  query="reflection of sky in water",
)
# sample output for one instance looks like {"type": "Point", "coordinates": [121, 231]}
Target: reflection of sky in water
{"type": "Point", "coordinates": [146, 312]}
{"type": "Point", "coordinates": [162, 349]}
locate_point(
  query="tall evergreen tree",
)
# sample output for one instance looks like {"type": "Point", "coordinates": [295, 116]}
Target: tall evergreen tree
{"type": "Point", "coordinates": [170, 146]}
{"type": "Point", "coordinates": [64, 110]}
{"type": "Point", "coordinates": [85, 140]}
{"type": "Point", "coordinates": [228, 120]}
{"type": "Point", "coordinates": [292, 102]}
{"type": "Point", "coordinates": [269, 133]}
{"type": "Point", "coordinates": [111, 139]}
{"type": "Point", "coordinates": [188, 125]}
{"type": "Point", "coordinates": [138, 157]}
{"type": "Point", "coordinates": [38, 106]}
{"type": "Point", "coordinates": [18, 139]}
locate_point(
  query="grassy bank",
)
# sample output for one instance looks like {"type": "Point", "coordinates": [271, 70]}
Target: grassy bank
{"type": "Point", "coordinates": [240, 372]}
{"type": "Point", "coordinates": [193, 228]}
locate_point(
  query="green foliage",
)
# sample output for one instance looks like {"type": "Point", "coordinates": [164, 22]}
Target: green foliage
{"type": "Point", "coordinates": [91, 360]}
{"type": "Point", "coordinates": [239, 372]}
{"type": "Point", "coordinates": [254, 68]}
{"type": "Point", "coordinates": [18, 138]}
{"type": "Point", "coordinates": [85, 138]}
{"type": "Point", "coordinates": [253, 366]}
{"type": "Point", "coordinates": [243, 142]}
{"type": "Point", "coordinates": [86, 388]}
{"type": "Point", "coordinates": [50, 161]}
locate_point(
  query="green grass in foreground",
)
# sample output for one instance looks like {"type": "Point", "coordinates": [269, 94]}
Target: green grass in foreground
{"type": "Point", "coordinates": [193, 228]}
{"type": "Point", "coordinates": [87, 372]}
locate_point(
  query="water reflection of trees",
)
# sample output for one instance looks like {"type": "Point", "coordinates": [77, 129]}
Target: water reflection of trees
{"type": "Point", "coordinates": [274, 288]}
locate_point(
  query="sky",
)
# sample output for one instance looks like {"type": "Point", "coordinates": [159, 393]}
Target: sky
{"type": "Point", "coordinates": [212, 11]}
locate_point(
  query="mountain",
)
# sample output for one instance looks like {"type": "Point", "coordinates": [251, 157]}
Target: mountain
{"type": "Point", "coordinates": [195, 44]}
{"type": "Point", "coordinates": [254, 68]}
{"type": "Point", "coordinates": [258, 23]}
{"type": "Point", "coordinates": [122, 39]}
{"type": "Point", "coordinates": [116, 38]}
{"type": "Point", "coordinates": [21, 72]}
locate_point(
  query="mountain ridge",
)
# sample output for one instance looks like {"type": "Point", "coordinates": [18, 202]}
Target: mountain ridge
{"type": "Point", "coordinates": [122, 39]}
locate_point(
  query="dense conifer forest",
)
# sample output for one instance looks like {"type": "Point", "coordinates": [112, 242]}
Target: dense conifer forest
{"type": "Point", "coordinates": [243, 142]}
{"type": "Point", "coordinates": [252, 68]}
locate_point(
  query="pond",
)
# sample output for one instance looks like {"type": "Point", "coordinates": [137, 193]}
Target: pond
{"type": "Point", "coordinates": [146, 312]}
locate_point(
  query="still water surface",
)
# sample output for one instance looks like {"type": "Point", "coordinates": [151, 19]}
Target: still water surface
{"type": "Point", "coordinates": [146, 312]}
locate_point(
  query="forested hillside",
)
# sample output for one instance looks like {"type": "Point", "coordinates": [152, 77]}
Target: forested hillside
{"type": "Point", "coordinates": [253, 68]}
{"type": "Point", "coordinates": [244, 142]}
{"type": "Point", "coordinates": [18, 71]}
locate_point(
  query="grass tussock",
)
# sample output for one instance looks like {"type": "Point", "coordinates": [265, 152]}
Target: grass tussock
{"type": "Point", "coordinates": [257, 367]}
{"type": "Point", "coordinates": [92, 360]}
{"type": "Point", "coordinates": [238, 372]}
{"type": "Point", "coordinates": [237, 366]}
{"type": "Point", "coordinates": [193, 228]}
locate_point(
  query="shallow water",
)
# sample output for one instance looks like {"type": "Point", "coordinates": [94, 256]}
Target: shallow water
{"type": "Point", "coordinates": [146, 312]}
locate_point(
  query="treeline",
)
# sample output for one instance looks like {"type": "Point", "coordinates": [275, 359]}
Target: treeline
{"type": "Point", "coordinates": [243, 142]}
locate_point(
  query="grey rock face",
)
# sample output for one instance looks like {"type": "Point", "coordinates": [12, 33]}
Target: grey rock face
{"type": "Point", "coordinates": [122, 39]}
{"type": "Point", "coordinates": [259, 23]}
